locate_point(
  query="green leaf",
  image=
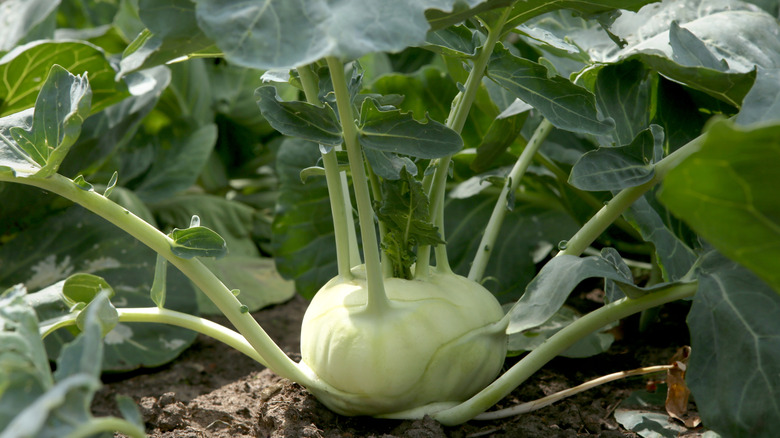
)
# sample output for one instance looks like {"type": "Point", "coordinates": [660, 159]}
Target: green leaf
{"type": "Point", "coordinates": [404, 211]}
{"type": "Point", "coordinates": [291, 33]}
{"type": "Point", "coordinates": [299, 119]}
{"type": "Point", "coordinates": [26, 20]}
{"type": "Point", "coordinates": [397, 132]}
{"type": "Point", "coordinates": [83, 288]}
{"type": "Point", "coordinates": [62, 105]}
{"type": "Point", "coordinates": [13, 159]}
{"type": "Point", "coordinates": [501, 134]}
{"type": "Point", "coordinates": [77, 241]}
{"type": "Point", "coordinates": [197, 242]}
{"type": "Point", "coordinates": [566, 105]}
{"type": "Point", "coordinates": [528, 235]}
{"type": "Point", "coordinates": [389, 165]}
{"type": "Point", "coordinates": [525, 10]}
{"type": "Point", "coordinates": [735, 350]}
{"type": "Point", "coordinates": [616, 168]}
{"type": "Point", "coordinates": [458, 41]}
{"type": "Point", "coordinates": [727, 193]}
{"type": "Point", "coordinates": [688, 49]}
{"type": "Point", "coordinates": [592, 344]}
{"type": "Point", "coordinates": [624, 91]}
{"type": "Point", "coordinates": [23, 69]}
{"type": "Point", "coordinates": [303, 241]}
{"type": "Point", "coordinates": [762, 103]}
{"type": "Point", "coordinates": [159, 287]}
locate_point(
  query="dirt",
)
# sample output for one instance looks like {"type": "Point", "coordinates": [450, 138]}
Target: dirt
{"type": "Point", "coordinates": [214, 391]}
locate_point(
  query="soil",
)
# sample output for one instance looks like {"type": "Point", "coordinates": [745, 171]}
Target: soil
{"type": "Point", "coordinates": [214, 391]}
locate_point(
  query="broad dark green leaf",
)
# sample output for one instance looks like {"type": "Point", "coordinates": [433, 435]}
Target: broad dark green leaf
{"type": "Point", "coordinates": [291, 33]}
{"type": "Point", "coordinates": [566, 105]}
{"type": "Point", "coordinates": [60, 109]}
{"type": "Point", "coordinates": [25, 21]}
{"type": "Point", "coordinates": [303, 239]}
{"type": "Point", "coordinates": [762, 103]}
{"type": "Point", "coordinates": [178, 159]}
{"type": "Point", "coordinates": [397, 132]}
{"type": "Point", "coordinates": [616, 168]}
{"type": "Point", "coordinates": [735, 350]}
{"type": "Point", "coordinates": [459, 41]}
{"type": "Point", "coordinates": [503, 132]}
{"type": "Point", "coordinates": [22, 71]}
{"type": "Point", "coordinates": [389, 165]}
{"type": "Point", "coordinates": [77, 241]}
{"type": "Point", "coordinates": [299, 119]}
{"type": "Point", "coordinates": [528, 235]}
{"type": "Point", "coordinates": [624, 91]}
{"type": "Point", "coordinates": [197, 242]}
{"type": "Point", "coordinates": [727, 192]}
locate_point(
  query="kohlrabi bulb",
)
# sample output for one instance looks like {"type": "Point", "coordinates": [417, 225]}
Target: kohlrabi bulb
{"type": "Point", "coordinates": [440, 340]}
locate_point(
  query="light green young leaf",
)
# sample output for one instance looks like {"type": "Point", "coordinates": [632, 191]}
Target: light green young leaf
{"type": "Point", "coordinates": [299, 119]}
{"type": "Point", "coordinates": [23, 70]}
{"type": "Point", "coordinates": [291, 33]}
{"type": "Point", "coordinates": [566, 105]}
{"type": "Point", "coordinates": [62, 105]}
{"type": "Point", "coordinates": [197, 242]}
{"type": "Point", "coordinates": [397, 132]}
{"type": "Point", "coordinates": [735, 350]}
{"type": "Point", "coordinates": [727, 192]}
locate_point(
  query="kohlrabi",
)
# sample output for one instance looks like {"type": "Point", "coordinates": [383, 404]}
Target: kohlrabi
{"type": "Point", "coordinates": [396, 332]}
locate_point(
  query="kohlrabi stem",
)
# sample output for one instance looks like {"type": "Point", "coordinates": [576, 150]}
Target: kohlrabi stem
{"type": "Point", "coordinates": [203, 278]}
{"type": "Point", "coordinates": [459, 111]}
{"type": "Point", "coordinates": [488, 241]}
{"type": "Point", "coordinates": [101, 425]}
{"type": "Point", "coordinates": [376, 297]}
{"type": "Point", "coordinates": [338, 205]}
{"type": "Point", "coordinates": [623, 200]}
{"type": "Point", "coordinates": [170, 317]}
{"type": "Point", "coordinates": [554, 346]}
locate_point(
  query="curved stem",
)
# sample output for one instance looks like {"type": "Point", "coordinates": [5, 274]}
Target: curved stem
{"type": "Point", "coordinates": [170, 317]}
{"type": "Point", "coordinates": [338, 205]}
{"type": "Point", "coordinates": [488, 241]}
{"type": "Point", "coordinates": [377, 299]}
{"type": "Point", "coordinates": [555, 345]}
{"type": "Point", "coordinates": [623, 200]}
{"type": "Point", "coordinates": [456, 120]}
{"type": "Point", "coordinates": [192, 268]}
{"type": "Point", "coordinates": [107, 424]}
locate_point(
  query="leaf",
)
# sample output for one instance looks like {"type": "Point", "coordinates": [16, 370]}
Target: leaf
{"type": "Point", "coordinates": [299, 119]}
{"type": "Point", "coordinates": [525, 10]}
{"type": "Point", "coordinates": [76, 241]}
{"type": "Point", "coordinates": [404, 211]}
{"type": "Point", "coordinates": [726, 192]}
{"type": "Point", "coordinates": [397, 132]}
{"type": "Point", "coordinates": [592, 344]}
{"type": "Point", "coordinates": [13, 159]}
{"type": "Point", "coordinates": [388, 165]}
{"type": "Point", "coordinates": [197, 242]}
{"type": "Point", "coordinates": [303, 241]}
{"type": "Point", "coordinates": [616, 168]}
{"type": "Point", "coordinates": [762, 103]}
{"type": "Point", "coordinates": [25, 20]}
{"type": "Point", "coordinates": [566, 105]}
{"type": "Point", "coordinates": [688, 49]}
{"type": "Point", "coordinates": [624, 91]}
{"type": "Point", "coordinates": [528, 235]}
{"type": "Point", "coordinates": [735, 350]}
{"type": "Point", "coordinates": [503, 132]}
{"type": "Point", "coordinates": [178, 160]}
{"type": "Point", "coordinates": [459, 41]}
{"type": "Point", "coordinates": [642, 412]}
{"type": "Point", "coordinates": [62, 105]}
{"type": "Point", "coordinates": [23, 69]}
{"type": "Point", "coordinates": [292, 33]}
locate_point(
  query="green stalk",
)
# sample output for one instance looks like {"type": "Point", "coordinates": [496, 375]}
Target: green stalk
{"type": "Point", "coordinates": [377, 299]}
{"type": "Point", "coordinates": [555, 345]}
{"type": "Point", "coordinates": [488, 241]}
{"type": "Point", "coordinates": [456, 120]}
{"type": "Point", "coordinates": [102, 425]}
{"type": "Point", "coordinates": [623, 200]}
{"type": "Point", "coordinates": [170, 317]}
{"type": "Point", "coordinates": [338, 205]}
{"type": "Point", "coordinates": [192, 268]}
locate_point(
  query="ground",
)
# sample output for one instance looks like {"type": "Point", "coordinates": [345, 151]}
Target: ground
{"type": "Point", "coordinates": [214, 391]}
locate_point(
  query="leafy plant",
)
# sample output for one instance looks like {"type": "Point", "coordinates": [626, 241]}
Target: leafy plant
{"type": "Point", "coordinates": [583, 141]}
